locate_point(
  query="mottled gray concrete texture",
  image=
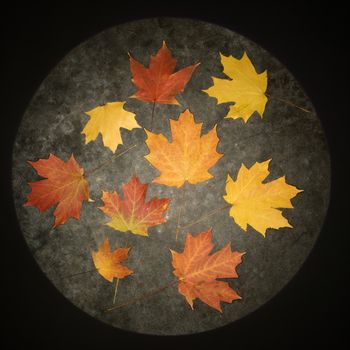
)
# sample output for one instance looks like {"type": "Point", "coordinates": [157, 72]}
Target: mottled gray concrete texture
{"type": "Point", "coordinates": [97, 72]}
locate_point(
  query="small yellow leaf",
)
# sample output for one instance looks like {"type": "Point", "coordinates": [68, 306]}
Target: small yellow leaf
{"type": "Point", "coordinates": [256, 203]}
{"type": "Point", "coordinates": [246, 89]}
{"type": "Point", "coordinates": [107, 120]}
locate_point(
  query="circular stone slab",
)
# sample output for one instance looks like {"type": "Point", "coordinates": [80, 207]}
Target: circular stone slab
{"type": "Point", "coordinates": [97, 72]}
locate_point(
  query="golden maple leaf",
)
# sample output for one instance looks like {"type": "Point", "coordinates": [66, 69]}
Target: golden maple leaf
{"type": "Point", "coordinates": [188, 157]}
{"type": "Point", "coordinates": [246, 89]}
{"type": "Point", "coordinates": [107, 120]}
{"type": "Point", "coordinates": [256, 203]}
{"type": "Point", "coordinates": [108, 264]}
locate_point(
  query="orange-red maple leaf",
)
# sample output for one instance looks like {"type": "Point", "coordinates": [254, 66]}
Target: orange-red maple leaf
{"type": "Point", "coordinates": [64, 184]}
{"type": "Point", "coordinates": [159, 83]}
{"type": "Point", "coordinates": [133, 213]}
{"type": "Point", "coordinates": [197, 271]}
{"type": "Point", "coordinates": [108, 263]}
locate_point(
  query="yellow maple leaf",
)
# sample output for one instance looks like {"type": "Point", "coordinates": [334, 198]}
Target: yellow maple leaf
{"type": "Point", "coordinates": [107, 120]}
{"type": "Point", "coordinates": [246, 89]}
{"type": "Point", "coordinates": [188, 157]}
{"type": "Point", "coordinates": [256, 203]}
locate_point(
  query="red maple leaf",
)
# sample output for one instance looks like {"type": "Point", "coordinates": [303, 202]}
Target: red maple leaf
{"type": "Point", "coordinates": [197, 271]}
{"type": "Point", "coordinates": [133, 213]}
{"type": "Point", "coordinates": [159, 83]}
{"type": "Point", "coordinates": [64, 184]}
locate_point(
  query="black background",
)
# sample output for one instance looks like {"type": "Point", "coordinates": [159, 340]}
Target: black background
{"type": "Point", "coordinates": [311, 40]}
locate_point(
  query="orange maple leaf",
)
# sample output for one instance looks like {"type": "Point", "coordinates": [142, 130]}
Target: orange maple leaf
{"type": "Point", "coordinates": [197, 271]}
{"type": "Point", "coordinates": [159, 83]}
{"type": "Point", "coordinates": [108, 263]}
{"type": "Point", "coordinates": [64, 184]}
{"type": "Point", "coordinates": [188, 157]}
{"type": "Point", "coordinates": [133, 213]}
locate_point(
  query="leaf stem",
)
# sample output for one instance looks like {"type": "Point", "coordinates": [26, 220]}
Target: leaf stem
{"type": "Point", "coordinates": [142, 297]}
{"type": "Point", "coordinates": [181, 208]}
{"type": "Point", "coordinates": [115, 156]}
{"type": "Point", "coordinates": [115, 290]}
{"type": "Point", "coordinates": [153, 108]}
{"type": "Point", "coordinates": [288, 103]}
{"type": "Point", "coordinates": [204, 217]}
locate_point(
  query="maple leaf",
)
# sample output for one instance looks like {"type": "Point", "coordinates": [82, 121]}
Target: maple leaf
{"type": "Point", "coordinates": [198, 271]}
{"type": "Point", "coordinates": [107, 120]}
{"type": "Point", "coordinates": [246, 89]}
{"type": "Point", "coordinates": [108, 263]}
{"type": "Point", "coordinates": [188, 157]}
{"type": "Point", "coordinates": [133, 213]}
{"type": "Point", "coordinates": [64, 184]}
{"type": "Point", "coordinates": [159, 83]}
{"type": "Point", "coordinates": [256, 203]}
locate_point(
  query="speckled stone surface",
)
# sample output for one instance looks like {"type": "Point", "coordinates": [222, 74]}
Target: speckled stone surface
{"type": "Point", "coordinates": [97, 72]}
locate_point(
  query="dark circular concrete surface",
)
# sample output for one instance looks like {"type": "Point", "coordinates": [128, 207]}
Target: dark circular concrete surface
{"type": "Point", "coordinates": [97, 72]}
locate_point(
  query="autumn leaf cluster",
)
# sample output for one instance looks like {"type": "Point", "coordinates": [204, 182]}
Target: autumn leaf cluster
{"type": "Point", "coordinates": [187, 158]}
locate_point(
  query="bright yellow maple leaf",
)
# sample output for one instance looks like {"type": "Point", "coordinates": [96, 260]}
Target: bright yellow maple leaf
{"type": "Point", "coordinates": [256, 203]}
{"type": "Point", "coordinates": [246, 89]}
{"type": "Point", "coordinates": [188, 157]}
{"type": "Point", "coordinates": [107, 120]}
